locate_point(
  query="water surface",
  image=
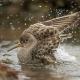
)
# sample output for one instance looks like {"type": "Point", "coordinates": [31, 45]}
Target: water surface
{"type": "Point", "coordinates": [68, 56]}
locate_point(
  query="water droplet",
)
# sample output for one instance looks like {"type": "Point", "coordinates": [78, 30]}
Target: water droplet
{"type": "Point", "coordinates": [25, 24]}
{"type": "Point", "coordinates": [40, 6]}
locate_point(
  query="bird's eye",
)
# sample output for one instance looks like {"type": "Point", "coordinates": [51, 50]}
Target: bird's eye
{"type": "Point", "coordinates": [26, 40]}
{"type": "Point", "coordinates": [23, 40]}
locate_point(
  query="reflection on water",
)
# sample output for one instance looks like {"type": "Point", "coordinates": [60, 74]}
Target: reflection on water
{"type": "Point", "coordinates": [68, 56]}
{"type": "Point", "coordinates": [37, 74]}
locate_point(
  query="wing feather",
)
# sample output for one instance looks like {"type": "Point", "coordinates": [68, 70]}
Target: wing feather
{"type": "Point", "coordinates": [63, 22]}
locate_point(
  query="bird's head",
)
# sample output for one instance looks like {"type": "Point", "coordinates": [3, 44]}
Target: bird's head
{"type": "Point", "coordinates": [27, 40]}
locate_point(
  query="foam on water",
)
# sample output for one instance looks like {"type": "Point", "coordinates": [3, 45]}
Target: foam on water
{"type": "Point", "coordinates": [62, 55]}
{"type": "Point", "coordinates": [68, 63]}
{"type": "Point", "coordinates": [10, 58]}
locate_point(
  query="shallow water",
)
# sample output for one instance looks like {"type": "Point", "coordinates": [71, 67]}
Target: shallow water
{"type": "Point", "coordinates": [67, 68]}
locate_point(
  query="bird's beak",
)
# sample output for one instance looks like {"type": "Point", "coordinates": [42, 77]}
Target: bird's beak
{"type": "Point", "coordinates": [16, 46]}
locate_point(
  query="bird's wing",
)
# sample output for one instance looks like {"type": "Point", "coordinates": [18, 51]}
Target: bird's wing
{"type": "Point", "coordinates": [62, 22]}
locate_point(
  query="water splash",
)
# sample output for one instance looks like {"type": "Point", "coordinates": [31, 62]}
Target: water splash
{"type": "Point", "coordinates": [62, 55]}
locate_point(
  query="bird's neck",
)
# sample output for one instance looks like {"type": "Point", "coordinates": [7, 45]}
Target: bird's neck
{"type": "Point", "coordinates": [32, 45]}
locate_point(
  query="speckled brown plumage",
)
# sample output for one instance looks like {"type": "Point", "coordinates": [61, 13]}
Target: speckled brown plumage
{"type": "Point", "coordinates": [43, 39]}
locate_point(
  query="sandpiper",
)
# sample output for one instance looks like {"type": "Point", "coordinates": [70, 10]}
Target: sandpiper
{"type": "Point", "coordinates": [40, 40]}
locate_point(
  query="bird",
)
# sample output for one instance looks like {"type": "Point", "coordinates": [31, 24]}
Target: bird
{"type": "Point", "coordinates": [40, 41]}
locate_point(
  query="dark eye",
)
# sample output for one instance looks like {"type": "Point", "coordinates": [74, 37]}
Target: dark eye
{"type": "Point", "coordinates": [23, 40]}
{"type": "Point", "coordinates": [26, 40]}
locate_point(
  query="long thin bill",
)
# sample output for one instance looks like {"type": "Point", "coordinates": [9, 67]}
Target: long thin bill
{"type": "Point", "coordinates": [14, 47]}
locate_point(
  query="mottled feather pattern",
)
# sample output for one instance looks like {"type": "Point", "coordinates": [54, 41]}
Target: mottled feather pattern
{"type": "Point", "coordinates": [47, 40]}
{"type": "Point", "coordinates": [43, 38]}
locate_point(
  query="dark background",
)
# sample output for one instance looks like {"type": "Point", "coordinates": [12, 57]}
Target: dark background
{"type": "Point", "coordinates": [26, 12]}
{"type": "Point", "coordinates": [16, 15]}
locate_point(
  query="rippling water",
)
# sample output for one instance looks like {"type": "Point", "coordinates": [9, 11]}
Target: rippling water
{"type": "Point", "coordinates": [68, 56]}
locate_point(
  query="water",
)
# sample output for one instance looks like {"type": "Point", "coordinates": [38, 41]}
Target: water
{"type": "Point", "coordinates": [67, 68]}
{"type": "Point", "coordinates": [63, 55]}
{"type": "Point", "coordinates": [67, 55]}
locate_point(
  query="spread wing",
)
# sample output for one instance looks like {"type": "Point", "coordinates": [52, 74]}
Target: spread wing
{"type": "Point", "coordinates": [58, 24]}
{"type": "Point", "coordinates": [43, 29]}
{"type": "Point", "coordinates": [62, 22]}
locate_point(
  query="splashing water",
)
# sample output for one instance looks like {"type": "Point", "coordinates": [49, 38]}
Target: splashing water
{"type": "Point", "coordinates": [62, 55]}
{"type": "Point", "coordinates": [69, 64]}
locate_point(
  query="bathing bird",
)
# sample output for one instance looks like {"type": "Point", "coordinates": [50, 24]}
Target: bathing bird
{"type": "Point", "coordinates": [40, 41]}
